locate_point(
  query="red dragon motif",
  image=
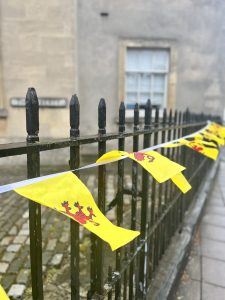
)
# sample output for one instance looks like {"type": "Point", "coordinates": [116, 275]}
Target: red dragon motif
{"type": "Point", "coordinates": [197, 148]}
{"type": "Point", "coordinates": [141, 156]}
{"type": "Point", "coordinates": [80, 216]}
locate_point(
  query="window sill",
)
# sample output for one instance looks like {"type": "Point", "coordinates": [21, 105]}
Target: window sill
{"type": "Point", "coordinates": [129, 117]}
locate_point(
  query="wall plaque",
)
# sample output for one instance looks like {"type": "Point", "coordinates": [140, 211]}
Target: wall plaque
{"type": "Point", "coordinates": [43, 102]}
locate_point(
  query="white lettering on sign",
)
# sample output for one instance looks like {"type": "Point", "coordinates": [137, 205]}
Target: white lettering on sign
{"type": "Point", "coordinates": [43, 102]}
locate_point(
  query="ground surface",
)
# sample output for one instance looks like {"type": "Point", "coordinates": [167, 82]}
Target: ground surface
{"type": "Point", "coordinates": [204, 275]}
{"type": "Point", "coordinates": [14, 240]}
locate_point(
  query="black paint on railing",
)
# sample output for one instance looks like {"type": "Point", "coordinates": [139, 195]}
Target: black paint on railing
{"type": "Point", "coordinates": [33, 170]}
{"type": "Point", "coordinates": [74, 227]}
{"type": "Point", "coordinates": [157, 210]}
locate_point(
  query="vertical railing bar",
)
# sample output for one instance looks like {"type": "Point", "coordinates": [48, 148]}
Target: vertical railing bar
{"type": "Point", "coordinates": [33, 170]}
{"type": "Point", "coordinates": [97, 248]}
{"type": "Point", "coordinates": [134, 199]}
{"type": "Point", "coordinates": [142, 287]}
{"type": "Point", "coordinates": [166, 221]}
{"type": "Point", "coordinates": [179, 151]}
{"type": "Point", "coordinates": [168, 183]}
{"type": "Point", "coordinates": [161, 204]}
{"type": "Point", "coordinates": [120, 185]}
{"type": "Point", "coordinates": [173, 188]}
{"type": "Point", "coordinates": [110, 280]}
{"type": "Point", "coordinates": [153, 199]}
{"type": "Point", "coordinates": [125, 277]}
{"type": "Point", "coordinates": [74, 227]}
{"type": "Point", "coordinates": [183, 160]}
{"type": "Point", "coordinates": [162, 189]}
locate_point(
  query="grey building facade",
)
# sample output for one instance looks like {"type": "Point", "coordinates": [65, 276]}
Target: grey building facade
{"type": "Point", "coordinates": [169, 51]}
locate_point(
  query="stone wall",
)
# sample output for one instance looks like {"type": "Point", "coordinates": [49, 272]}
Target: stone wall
{"type": "Point", "coordinates": [77, 46]}
{"type": "Point", "coordinates": [38, 48]}
{"type": "Point", "coordinates": [195, 29]}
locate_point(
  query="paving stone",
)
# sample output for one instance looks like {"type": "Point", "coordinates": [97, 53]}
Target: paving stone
{"type": "Point", "coordinates": [56, 260]}
{"type": "Point", "coordinates": [26, 215]}
{"type": "Point", "coordinates": [213, 271]}
{"type": "Point", "coordinates": [19, 239]}
{"type": "Point", "coordinates": [3, 267]}
{"type": "Point", "coordinates": [16, 291]}
{"type": "Point", "coordinates": [65, 237]}
{"type": "Point", "coordinates": [217, 210]}
{"type": "Point", "coordinates": [24, 232]}
{"type": "Point", "coordinates": [193, 267]}
{"type": "Point", "coordinates": [213, 249]}
{"type": "Point", "coordinates": [214, 220]}
{"type": "Point", "coordinates": [13, 248]}
{"type": "Point", "coordinates": [13, 230]}
{"type": "Point", "coordinates": [46, 257]}
{"type": "Point", "coordinates": [60, 247]}
{"type": "Point", "coordinates": [210, 292]}
{"type": "Point", "coordinates": [2, 234]}
{"type": "Point", "coordinates": [19, 222]}
{"type": "Point", "coordinates": [23, 276]}
{"type": "Point", "coordinates": [213, 232]}
{"type": "Point", "coordinates": [27, 264]}
{"type": "Point", "coordinates": [217, 202]}
{"type": "Point", "coordinates": [51, 245]}
{"type": "Point", "coordinates": [16, 265]}
{"type": "Point", "coordinates": [8, 280]}
{"type": "Point", "coordinates": [25, 225]}
{"type": "Point", "coordinates": [190, 288]}
{"type": "Point", "coordinates": [6, 241]}
{"type": "Point", "coordinates": [44, 268]}
{"type": "Point", "coordinates": [8, 256]}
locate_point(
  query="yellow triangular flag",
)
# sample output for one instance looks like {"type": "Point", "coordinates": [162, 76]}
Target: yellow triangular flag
{"type": "Point", "coordinates": [217, 129]}
{"type": "Point", "coordinates": [68, 195]}
{"type": "Point", "coordinates": [3, 295]}
{"type": "Point", "coordinates": [181, 182]}
{"type": "Point", "coordinates": [206, 136]}
{"type": "Point", "coordinates": [208, 149]}
{"type": "Point", "coordinates": [159, 166]}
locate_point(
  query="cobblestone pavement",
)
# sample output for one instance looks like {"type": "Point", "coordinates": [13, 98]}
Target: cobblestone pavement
{"type": "Point", "coordinates": [204, 275]}
{"type": "Point", "coordinates": [14, 241]}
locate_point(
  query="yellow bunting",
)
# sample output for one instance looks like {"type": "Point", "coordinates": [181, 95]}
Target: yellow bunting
{"type": "Point", "coordinates": [207, 136]}
{"type": "Point", "coordinates": [208, 149]}
{"type": "Point", "coordinates": [217, 129]}
{"type": "Point", "coordinates": [68, 195]}
{"type": "Point", "coordinates": [3, 295]}
{"type": "Point", "coordinates": [160, 167]}
{"type": "Point", "coordinates": [181, 182]}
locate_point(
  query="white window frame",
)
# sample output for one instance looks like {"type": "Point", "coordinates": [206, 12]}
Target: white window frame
{"type": "Point", "coordinates": [171, 77]}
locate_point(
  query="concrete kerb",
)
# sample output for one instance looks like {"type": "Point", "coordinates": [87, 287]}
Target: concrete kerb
{"type": "Point", "coordinates": [175, 258]}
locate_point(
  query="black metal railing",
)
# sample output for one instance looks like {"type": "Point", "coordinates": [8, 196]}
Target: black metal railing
{"type": "Point", "coordinates": [157, 210]}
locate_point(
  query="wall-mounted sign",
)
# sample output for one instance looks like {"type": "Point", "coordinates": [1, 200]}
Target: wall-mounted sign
{"type": "Point", "coordinates": [43, 102]}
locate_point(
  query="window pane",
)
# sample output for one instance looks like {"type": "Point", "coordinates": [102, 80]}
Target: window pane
{"type": "Point", "coordinates": [146, 75]}
{"type": "Point", "coordinates": [145, 82]}
{"type": "Point", "coordinates": [132, 60]}
{"type": "Point", "coordinates": [131, 98]}
{"type": "Point", "coordinates": [144, 60]}
{"type": "Point", "coordinates": [160, 60]}
{"type": "Point", "coordinates": [144, 97]}
{"type": "Point", "coordinates": [158, 83]}
{"type": "Point", "coordinates": [131, 82]}
{"type": "Point", "coordinates": [158, 99]}
{"type": "Point", "coordinates": [139, 60]}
